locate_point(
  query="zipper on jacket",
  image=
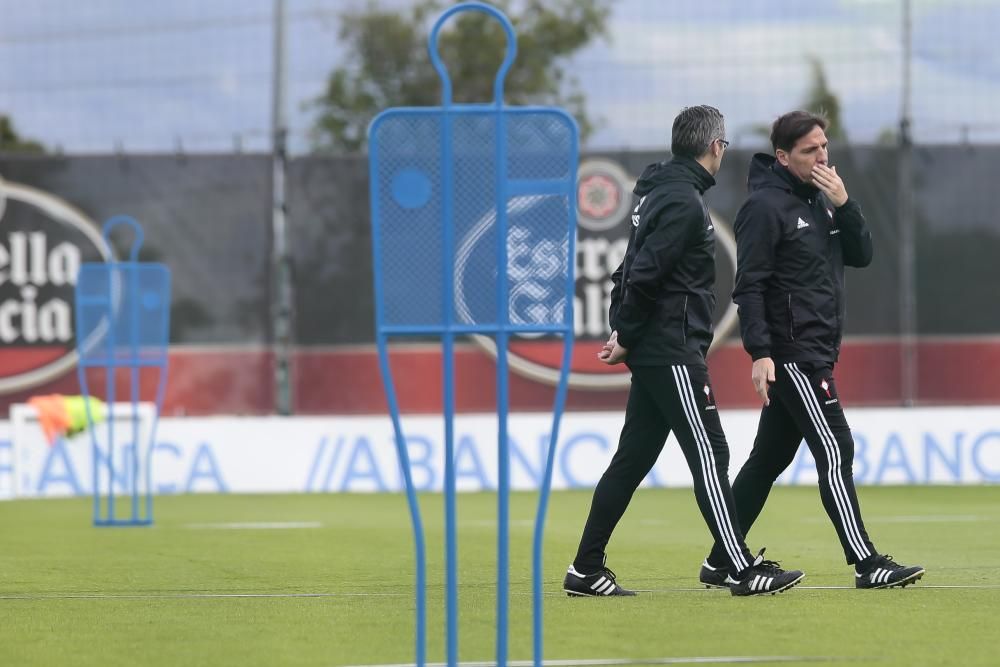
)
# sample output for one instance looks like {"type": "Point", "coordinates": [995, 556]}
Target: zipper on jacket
{"type": "Point", "coordinates": [684, 321]}
{"type": "Point", "coordinates": [791, 318]}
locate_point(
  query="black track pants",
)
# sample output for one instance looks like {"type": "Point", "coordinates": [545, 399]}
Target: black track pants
{"type": "Point", "coordinates": [664, 399]}
{"type": "Point", "coordinates": [804, 404]}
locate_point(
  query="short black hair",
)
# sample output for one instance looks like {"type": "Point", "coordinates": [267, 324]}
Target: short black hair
{"type": "Point", "coordinates": [792, 126]}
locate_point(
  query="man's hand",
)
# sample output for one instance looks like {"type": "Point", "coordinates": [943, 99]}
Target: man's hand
{"type": "Point", "coordinates": [826, 179]}
{"type": "Point", "coordinates": [612, 353]}
{"type": "Point", "coordinates": [762, 374]}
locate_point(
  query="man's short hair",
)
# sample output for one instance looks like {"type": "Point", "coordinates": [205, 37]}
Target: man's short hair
{"type": "Point", "coordinates": [695, 128]}
{"type": "Point", "coordinates": [792, 126]}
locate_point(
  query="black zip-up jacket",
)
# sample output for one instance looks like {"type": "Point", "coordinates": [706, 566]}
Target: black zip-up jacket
{"type": "Point", "coordinates": [663, 300]}
{"type": "Point", "coordinates": [792, 246]}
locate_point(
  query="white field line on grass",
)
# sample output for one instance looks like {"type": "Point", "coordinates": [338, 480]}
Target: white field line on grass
{"type": "Point", "coordinates": [527, 523]}
{"type": "Point", "coordinates": [909, 587]}
{"type": "Point", "coordinates": [613, 662]}
{"type": "Point", "coordinates": [933, 518]}
{"type": "Point", "coordinates": [188, 596]}
{"type": "Point", "coordinates": [716, 591]}
{"type": "Point", "coordinates": [255, 525]}
{"type": "Point", "coordinates": [916, 518]}
{"type": "Point", "coordinates": [492, 523]}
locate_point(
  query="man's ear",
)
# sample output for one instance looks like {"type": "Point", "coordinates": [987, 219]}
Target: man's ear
{"type": "Point", "coordinates": [782, 157]}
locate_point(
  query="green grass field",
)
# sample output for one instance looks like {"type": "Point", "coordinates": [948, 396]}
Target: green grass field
{"type": "Point", "coordinates": [188, 591]}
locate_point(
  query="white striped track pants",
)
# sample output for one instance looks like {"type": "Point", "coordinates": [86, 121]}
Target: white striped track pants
{"type": "Point", "coordinates": [663, 399]}
{"type": "Point", "coordinates": [804, 405]}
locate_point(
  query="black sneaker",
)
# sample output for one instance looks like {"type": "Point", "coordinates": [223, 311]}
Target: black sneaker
{"type": "Point", "coordinates": [599, 584]}
{"type": "Point", "coordinates": [714, 577]}
{"type": "Point", "coordinates": [764, 577]}
{"type": "Point", "coordinates": [883, 572]}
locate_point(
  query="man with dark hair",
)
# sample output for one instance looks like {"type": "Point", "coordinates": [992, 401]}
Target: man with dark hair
{"type": "Point", "coordinates": [661, 317]}
{"type": "Point", "coordinates": [794, 235]}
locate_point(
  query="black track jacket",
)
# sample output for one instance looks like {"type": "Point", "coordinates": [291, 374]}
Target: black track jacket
{"type": "Point", "coordinates": [663, 300]}
{"type": "Point", "coordinates": [792, 246]}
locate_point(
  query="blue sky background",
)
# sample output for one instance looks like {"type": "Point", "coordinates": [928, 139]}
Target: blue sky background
{"type": "Point", "coordinates": [149, 76]}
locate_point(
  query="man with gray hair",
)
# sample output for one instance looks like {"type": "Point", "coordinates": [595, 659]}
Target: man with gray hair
{"type": "Point", "coordinates": [661, 320]}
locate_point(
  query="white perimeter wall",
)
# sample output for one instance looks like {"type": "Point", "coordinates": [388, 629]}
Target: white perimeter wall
{"type": "Point", "coordinates": [357, 454]}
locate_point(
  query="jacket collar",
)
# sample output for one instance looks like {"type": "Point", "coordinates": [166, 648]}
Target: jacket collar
{"type": "Point", "coordinates": [767, 172]}
{"type": "Point", "coordinates": [701, 178]}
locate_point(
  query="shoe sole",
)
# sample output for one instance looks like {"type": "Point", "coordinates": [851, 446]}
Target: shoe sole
{"type": "Point", "coordinates": [902, 583]}
{"type": "Point", "coordinates": [578, 594]}
{"type": "Point", "coordinates": [710, 586]}
{"type": "Point", "coordinates": [791, 584]}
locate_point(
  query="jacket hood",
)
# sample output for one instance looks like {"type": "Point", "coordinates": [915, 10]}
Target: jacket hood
{"type": "Point", "coordinates": [679, 169]}
{"type": "Point", "coordinates": [766, 172]}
